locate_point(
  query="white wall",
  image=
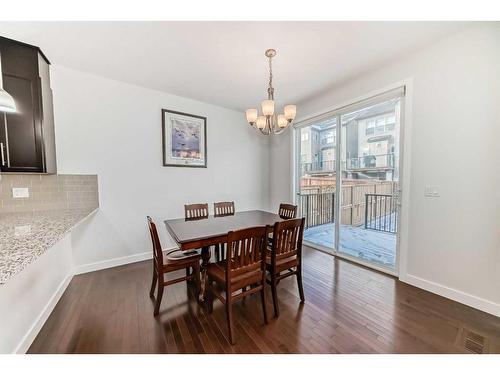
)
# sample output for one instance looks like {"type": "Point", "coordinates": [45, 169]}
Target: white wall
{"type": "Point", "coordinates": [113, 129]}
{"type": "Point", "coordinates": [454, 241]}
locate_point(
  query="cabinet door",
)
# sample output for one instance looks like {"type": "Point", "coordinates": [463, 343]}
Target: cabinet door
{"type": "Point", "coordinates": [21, 131]}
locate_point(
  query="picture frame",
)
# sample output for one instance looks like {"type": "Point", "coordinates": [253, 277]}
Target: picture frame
{"type": "Point", "coordinates": [184, 139]}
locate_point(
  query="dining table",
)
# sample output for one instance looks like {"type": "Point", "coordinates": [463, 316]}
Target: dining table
{"type": "Point", "coordinates": [206, 232]}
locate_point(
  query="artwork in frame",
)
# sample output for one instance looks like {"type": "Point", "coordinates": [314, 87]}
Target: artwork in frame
{"type": "Point", "coordinates": [184, 139]}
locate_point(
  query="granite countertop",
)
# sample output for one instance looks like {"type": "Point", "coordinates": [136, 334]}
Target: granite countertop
{"type": "Point", "coordinates": [24, 236]}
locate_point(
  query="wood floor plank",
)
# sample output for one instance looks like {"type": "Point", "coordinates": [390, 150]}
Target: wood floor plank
{"type": "Point", "coordinates": [348, 309]}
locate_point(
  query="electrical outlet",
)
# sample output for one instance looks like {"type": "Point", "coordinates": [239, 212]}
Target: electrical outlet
{"type": "Point", "coordinates": [20, 193]}
{"type": "Point", "coordinates": [432, 191]}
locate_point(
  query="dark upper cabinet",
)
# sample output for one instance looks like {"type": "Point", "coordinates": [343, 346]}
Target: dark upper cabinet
{"type": "Point", "coordinates": [27, 138]}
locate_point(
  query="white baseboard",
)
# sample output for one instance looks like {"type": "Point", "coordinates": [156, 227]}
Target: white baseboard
{"type": "Point", "coordinates": [453, 294]}
{"type": "Point", "coordinates": [113, 262]}
{"type": "Point", "coordinates": [30, 336]}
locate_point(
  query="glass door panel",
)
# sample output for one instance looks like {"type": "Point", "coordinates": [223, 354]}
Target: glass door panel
{"type": "Point", "coordinates": [369, 154]}
{"type": "Point", "coordinates": [317, 180]}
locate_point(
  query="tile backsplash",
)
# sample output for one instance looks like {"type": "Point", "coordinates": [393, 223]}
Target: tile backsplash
{"type": "Point", "coordinates": [48, 192]}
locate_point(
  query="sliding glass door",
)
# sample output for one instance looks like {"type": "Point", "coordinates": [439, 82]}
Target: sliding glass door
{"type": "Point", "coordinates": [369, 155]}
{"type": "Point", "coordinates": [348, 186]}
{"type": "Point", "coordinates": [316, 186]}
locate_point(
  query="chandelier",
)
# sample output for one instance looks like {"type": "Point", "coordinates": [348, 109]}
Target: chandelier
{"type": "Point", "coordinates": [270, 122]}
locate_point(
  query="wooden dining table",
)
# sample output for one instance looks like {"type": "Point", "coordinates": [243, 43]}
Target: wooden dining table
{"type": "Point", "coordinates": [203, 233]}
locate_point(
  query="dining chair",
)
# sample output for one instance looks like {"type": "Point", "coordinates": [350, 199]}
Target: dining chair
{"type": "Point", "coordinates": [243, 267]}
{"type": "Point", "coordinates": [284, 258]}
{"type": "Point", "coordinates": [223, 209]}
{"type": "Point", "coordinates": [172, 261]}
{"type": "Point", "coordinates": [287, 211]}
{"type": "Point", "coordinates": [196, 211]}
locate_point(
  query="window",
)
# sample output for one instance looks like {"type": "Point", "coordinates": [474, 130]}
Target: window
{"type": "Point", "coordinates": [329, 139]}
{"type": "Point", "coordinates": [305, 136]}
{"type": "Point", "coordinates": [370, 127]}
{"type": "Point", "coordinates": [380, 125]}
{"type": "Point", "coordinates": [390, 123]}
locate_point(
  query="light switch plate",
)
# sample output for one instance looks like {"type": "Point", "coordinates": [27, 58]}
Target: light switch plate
{"type": "Point", "coordinates": [20, 193]}
{"type": "Point", "coordinates": [432, 191]}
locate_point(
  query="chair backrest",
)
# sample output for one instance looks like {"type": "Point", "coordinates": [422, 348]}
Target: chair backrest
{"type": "Point", "coordinates": [287, 239]}
{"type": "Point", "coordinates": [196, 211]}
{"type": "Point", "coordinates": [223, 209]}
{"type": "Point", "coordinates": [157, 250]}
{"type": "Point", "coordinates": [246, 250]}
{"type": "Point", "coordinates": [287, 211]}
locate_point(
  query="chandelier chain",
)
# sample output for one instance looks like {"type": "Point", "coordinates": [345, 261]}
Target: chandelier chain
{"type": "Point", "coordinates": [270, 73]}
{"type": "Point", "coordinates": [270, 89]}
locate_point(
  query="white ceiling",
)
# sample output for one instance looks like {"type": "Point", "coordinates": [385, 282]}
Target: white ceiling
{"type": "Point", "coordinates": [223, 62]}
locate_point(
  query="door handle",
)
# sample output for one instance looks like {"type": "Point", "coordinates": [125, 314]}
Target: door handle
{"type": "Point", "coordinates": [1, 152]}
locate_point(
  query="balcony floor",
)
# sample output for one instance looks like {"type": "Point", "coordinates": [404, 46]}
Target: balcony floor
{"type": "Point", "coordinates": [366, 244]}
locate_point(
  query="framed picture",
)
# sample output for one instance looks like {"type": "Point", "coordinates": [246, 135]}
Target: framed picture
{"type": "Point", "coordinates": [184, 139]}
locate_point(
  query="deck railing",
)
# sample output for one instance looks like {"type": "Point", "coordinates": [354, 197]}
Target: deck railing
{"type": "Point", "coordinates": [361, 205]}
{"type": "Point", "coordinates": [370, 161]}
{"type": "Point", "coordinates": [320, 166]}
{"type": "Point", "coordinates": [380, 212]}
{"type": "Point", "coordinates": [317, 209]}
{"type": "Point", "coordinates": [351, 164]}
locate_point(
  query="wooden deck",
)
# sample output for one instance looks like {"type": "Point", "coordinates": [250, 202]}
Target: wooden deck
{"type": "Point", "coordinates": [348, 309]}
{"type": "Point", "coordinates": [366, 244]}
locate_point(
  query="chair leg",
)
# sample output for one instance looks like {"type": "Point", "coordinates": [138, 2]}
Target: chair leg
{"type": "Point", "coordinates": [263, 300]}
{"type": "Point", "coordinates": [217, 253]}
{"type": "Point", "coordinates": [210, 302]}
{"type": "Point", "coordinates": [275, 295]}
{"type": "Point", "coordinates": [299, 282]}
{"type": "Point", "coordinates": [209, 296]}
{"type": "Point", "coordinates": [229, 316]}
{"type": "Point", "coordinates": [243, 290]}
{"type": "Point", "coordinates": [153, 283]}
{"type": "Point", "coordinates": [188, 269]}
{"type": "Point", "coordinates": [197, 282]}
{"type": "Point", "coordinates": [159, 296]}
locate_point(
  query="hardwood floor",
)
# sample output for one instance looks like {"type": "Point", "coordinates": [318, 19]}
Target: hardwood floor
{"type": "Point", "coordinates": [348, 309]}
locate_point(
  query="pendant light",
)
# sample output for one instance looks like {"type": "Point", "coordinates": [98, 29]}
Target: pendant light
{"type": "Point", "coordinates": [270, 122]}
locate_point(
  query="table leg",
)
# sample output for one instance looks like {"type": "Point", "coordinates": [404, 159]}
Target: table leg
{"type": "Point", "coordinates": [205, 258]}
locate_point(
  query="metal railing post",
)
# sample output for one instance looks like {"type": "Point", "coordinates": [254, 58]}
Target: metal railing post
{"type": "Point", "coordinates": [366, 211]}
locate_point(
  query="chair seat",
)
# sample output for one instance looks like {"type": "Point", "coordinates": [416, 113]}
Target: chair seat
{"type": "Point", "coordinates": [174, 260]}
{"type": "Point", "coordinates": [178, 254]}
{"type": "Point", "coordinates": [218, 272]}
{"type": "Point", "coordinates": [282, 264]}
